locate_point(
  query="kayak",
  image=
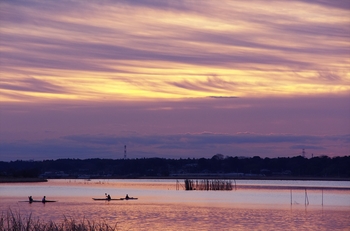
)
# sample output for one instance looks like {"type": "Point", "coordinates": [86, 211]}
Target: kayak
{"type": "Point", "coordinates": [47, 201]}
{"type": "Point", "coordinates": [106, 199]}
{"type": "Point", "coordinates": [129, 198]}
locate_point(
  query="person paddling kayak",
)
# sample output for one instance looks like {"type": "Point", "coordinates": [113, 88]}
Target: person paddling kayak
{"type": "Point", "coordinates": [108, 197]}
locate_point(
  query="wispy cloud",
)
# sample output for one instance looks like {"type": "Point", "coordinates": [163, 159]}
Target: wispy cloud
{"type": "Point", "coordinates": [169, 70]}
{"type": "Point", "coordinates": [178, 145]}
{"type": "Point", "coordinates": [32, 85]}
{"type": "Point", "coordinates": [223, 97]}
{"type": "Point", "coordinates": [203, 139]}
{"type": "Point", "coordinates": [101, 44]}
{"type": "Point", "coordinates": [341, 4]}
{"type": "Point", "coordinates": [191, 128]}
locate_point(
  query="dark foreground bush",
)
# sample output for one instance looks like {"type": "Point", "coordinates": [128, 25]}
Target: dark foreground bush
{"type": "Point", "coordinates": [15, 222]}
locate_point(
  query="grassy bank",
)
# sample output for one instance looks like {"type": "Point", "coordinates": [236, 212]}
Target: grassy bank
{"type": "Point", "coordinates": [14, 221]}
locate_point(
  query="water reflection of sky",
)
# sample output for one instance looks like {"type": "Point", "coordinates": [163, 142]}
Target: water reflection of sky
{"type": "Point", "coordinates": [162, 207]}
{"type": "Point", "coordinates": [165, 191]}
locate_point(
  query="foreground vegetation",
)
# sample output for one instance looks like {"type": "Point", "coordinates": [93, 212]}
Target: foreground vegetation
{"type": "Point", "coordinates": [13, 221]}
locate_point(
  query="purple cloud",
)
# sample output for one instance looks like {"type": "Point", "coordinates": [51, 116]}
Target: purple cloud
{"type": "Point", "coordinates": [31, 84]}
{"type": "Point", "coordinates": [171, 146]}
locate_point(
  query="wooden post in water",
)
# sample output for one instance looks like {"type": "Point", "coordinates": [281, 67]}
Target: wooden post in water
{"type": "Point", "coordinates": [306, 198]}
{"type": "Point", "coordinates": [291, 198]}
{"type": "Point", "coordinates": [322, 197]}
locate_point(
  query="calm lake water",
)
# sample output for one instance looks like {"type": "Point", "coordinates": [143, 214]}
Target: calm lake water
{"type": "Point", "coordinates": [251, 205]}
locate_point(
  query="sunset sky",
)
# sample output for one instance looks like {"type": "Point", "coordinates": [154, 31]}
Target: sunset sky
{"type": "Point", "coordinates": [171, 79]}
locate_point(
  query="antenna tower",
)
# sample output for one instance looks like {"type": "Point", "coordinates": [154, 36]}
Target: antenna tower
{"type": "Point", "coordinates": [124, 152]}
{"type": "Point", "coordinates": [303, 152]}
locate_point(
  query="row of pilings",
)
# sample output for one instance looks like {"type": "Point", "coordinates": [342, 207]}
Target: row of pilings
{"type": "Point", "coordinates": [207, 184]}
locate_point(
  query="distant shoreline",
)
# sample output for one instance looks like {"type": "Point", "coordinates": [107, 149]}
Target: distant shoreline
{"type": "Point", "coordinates": [301, 178]}
{"type": "Point", "coordinates": [287, 178]}
{"type": "Point", "coordinates": [22, 180]}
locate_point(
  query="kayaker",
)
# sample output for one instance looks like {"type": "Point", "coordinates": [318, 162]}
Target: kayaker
{"type": "Point", "coordinates": [44, 199]}
{"type": "Point", "coordinates": [109, 197]}
{"type": "Point", "coordinates": [30, 199]}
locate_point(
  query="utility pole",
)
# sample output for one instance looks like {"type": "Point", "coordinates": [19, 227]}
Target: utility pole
{"type": "Point", "coordinates": [124, 152]}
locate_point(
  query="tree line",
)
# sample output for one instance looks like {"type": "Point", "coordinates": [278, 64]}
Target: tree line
{"type": "Point", "coordinates": [218, 165]}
